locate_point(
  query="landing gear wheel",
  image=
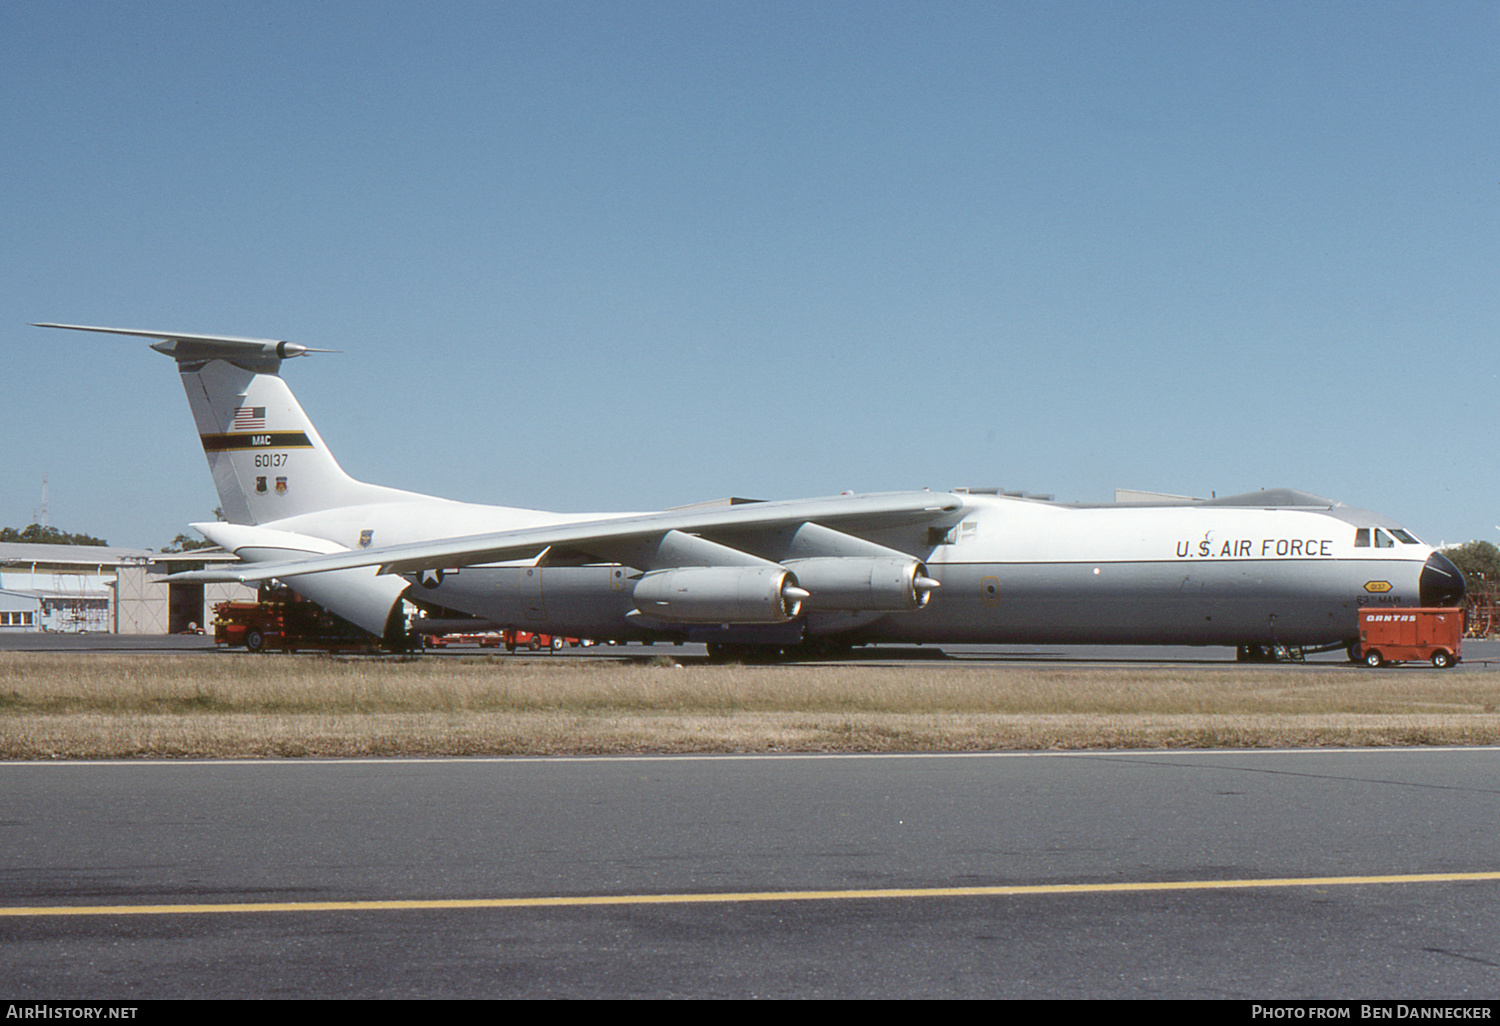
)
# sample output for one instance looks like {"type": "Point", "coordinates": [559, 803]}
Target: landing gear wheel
{"type": "Point", "coordinates": [1374, 659]}
{"type": "Point", "coordinates": [1356, 652]}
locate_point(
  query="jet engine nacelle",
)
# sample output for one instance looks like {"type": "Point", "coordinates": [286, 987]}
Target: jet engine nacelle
{"type": "Point", "coordinates": [886, 584]}
{"type": "Point", "coordinates": [720, 594]}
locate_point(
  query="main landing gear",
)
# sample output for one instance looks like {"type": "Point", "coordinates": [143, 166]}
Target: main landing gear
{"type": "Point", "coordinates": [1269, 654]}
{"type": "Point", "coordinates": [1290, 653]}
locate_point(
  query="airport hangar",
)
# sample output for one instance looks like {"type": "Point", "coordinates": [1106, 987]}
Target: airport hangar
{"type": "Point", "coordinates": [103, 588]}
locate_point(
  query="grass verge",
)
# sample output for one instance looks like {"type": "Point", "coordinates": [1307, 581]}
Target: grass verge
{"type": "Point", "coordinates": [222, 705]}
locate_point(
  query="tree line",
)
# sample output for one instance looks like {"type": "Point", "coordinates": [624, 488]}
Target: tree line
{"type": "Point", "coordinates": [1479, 562]}
{"type": "Point", "coordinates": [36, 534]}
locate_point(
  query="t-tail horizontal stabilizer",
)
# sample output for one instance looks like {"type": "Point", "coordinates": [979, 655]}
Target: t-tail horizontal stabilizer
{"type": "Point", "coordinates": [250, 353]}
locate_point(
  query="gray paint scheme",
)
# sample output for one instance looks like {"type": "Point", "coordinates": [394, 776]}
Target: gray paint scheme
{"type": "Point", "coordinates": [1260, 602]}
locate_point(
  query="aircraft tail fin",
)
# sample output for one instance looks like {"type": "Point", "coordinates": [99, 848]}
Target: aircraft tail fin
{"type": "Point", "coordinates": [268, 461]}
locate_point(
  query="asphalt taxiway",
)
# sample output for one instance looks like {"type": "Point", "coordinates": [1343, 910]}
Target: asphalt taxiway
{"type": "Point", "coordinates": [1311, 874]}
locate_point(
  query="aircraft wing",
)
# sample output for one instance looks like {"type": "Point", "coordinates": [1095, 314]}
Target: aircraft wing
{"type": "Point", "coordinates": [854, 512]}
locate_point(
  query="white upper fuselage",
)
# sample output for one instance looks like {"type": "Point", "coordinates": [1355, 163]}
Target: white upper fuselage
{"type": "Point", "coordinates": [992, 529]}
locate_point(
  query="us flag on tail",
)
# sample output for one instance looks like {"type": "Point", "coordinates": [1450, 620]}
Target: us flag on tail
{"type": "Point", "coordinates": [249, 418]}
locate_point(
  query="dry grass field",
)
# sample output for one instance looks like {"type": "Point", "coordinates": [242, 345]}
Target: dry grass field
{"type": "Point", "coordinates": [188, 706]}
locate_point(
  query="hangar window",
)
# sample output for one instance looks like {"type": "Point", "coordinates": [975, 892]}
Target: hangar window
{"type": "Point", "coordinates": [1362, 538]}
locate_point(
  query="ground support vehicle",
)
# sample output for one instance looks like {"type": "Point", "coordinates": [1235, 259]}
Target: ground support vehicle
{"type": "Point", "coordinates": [534, 641]}
{"type": "Point", "coordinates": [485, 640]}
{"type": "Point", "coordinates": [1407, 635]}
{"type": "Point", "coordinates": [287, 626]}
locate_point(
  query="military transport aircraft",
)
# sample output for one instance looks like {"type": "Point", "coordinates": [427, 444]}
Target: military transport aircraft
{"type": "Point", "coordinates": [1268, 571]}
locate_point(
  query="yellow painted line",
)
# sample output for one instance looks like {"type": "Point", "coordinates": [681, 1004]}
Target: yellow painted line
{"type": "Point", "coordinates": [739, 896]}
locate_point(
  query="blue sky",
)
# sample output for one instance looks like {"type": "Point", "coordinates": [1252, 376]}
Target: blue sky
{"type": "Point", "coordinates": [633, 255]}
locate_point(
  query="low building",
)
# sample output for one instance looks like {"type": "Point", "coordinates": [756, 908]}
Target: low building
{"type": "Point", "coordinates": [20, 611]}
{"type": "Point", "coordinates": [103, 588]}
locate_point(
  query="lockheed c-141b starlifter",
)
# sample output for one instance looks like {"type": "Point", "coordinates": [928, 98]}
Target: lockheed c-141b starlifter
{"type": "Point", "coordinates": [1270, 570]}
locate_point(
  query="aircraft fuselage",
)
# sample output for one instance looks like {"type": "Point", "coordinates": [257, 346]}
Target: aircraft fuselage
{"type": "Point", "coordinates": [1011, 571]}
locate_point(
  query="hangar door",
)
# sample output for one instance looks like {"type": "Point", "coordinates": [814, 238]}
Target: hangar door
{"type": "Point", "coordinates": [184, 607]}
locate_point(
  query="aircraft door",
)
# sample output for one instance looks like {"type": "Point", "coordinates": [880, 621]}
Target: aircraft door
{"type": "Point", "coordinates": [529, 593]}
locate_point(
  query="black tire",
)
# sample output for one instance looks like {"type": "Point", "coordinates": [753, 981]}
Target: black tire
{"type": "Point", "coordinates": [558, 643]}
{"type": "Point", "coordinates": [1374, 659]}
{"type": "Point", "coordinates": [255, 641]}
{"type": "Point", "coordinates": [1442, 660]}
{"type": "Point", "coordinates": [1356, 652]}
{"type": "Point", "coordinates": [535, 644]}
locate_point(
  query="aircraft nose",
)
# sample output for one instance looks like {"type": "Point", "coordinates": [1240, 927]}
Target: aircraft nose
{"type": "Point", "coordinates": [1441, 584]}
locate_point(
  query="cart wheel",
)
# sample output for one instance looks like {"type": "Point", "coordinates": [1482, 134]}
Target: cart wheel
{"type": "Point", "coordinates": [1442, 660]}
{"type": "Point", "coordinates": [255, 641]}
{"type": "Point", "coordinates": [1374, 659]}
{"type": "Point", "coordinates": [535, 643]}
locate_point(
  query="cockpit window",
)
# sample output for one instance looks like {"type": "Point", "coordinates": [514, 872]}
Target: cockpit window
{"type": "Point", "coordinates": [1362, 538]}
{"type": "Point", "coordinates": [1404, 537]}
{"type": "Point", "coordinates": [1383, 540]}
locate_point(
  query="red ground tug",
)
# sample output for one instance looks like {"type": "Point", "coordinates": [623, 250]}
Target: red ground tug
{"type": "Point", "coordinates": [512, 639]}
{"type": "Point", "coordinates": [287, 625]}
{"type": "Point", "coordinates": [1404, 635]}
